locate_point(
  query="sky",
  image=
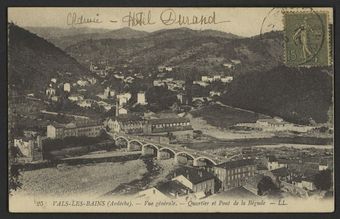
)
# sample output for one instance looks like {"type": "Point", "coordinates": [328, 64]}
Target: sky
{"type": "Point", "coordinates": [240, 21]}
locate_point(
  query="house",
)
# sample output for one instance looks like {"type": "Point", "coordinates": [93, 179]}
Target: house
{"type": "Point", "coordinates": [82, 83]}
{"type": "Point", "coordinates": [75, 97]}
{"type": "Point", "coordinates": [141, 98]}
{"type": "Point", "coordinates": [228, 65]}
{"type": "Point", "coordinates": [122, 111]}
{"type": "Point", "coordinates": [85, 103]}
{"type": "Point", "coordinates": [178, 127]}
{"type": "Point", "coordinates": [108, 92]}
{"type": "Point", "coordinates": [226, 79]}
{"type": "Point", "coordinates": [55, 98]}
{"type": "Point", "coordinates": [30, 148]}
{"type": "Point", "coordinates": [30, 133]}
{"type": "Point", "coordinates": [123, 98]}
{"type": "Point", "coordinates": [119, 76]}
{"type": "Point", "coordinates": [50, 92]}
{"type": "Point", "coordinates": [129, 79]}
{"type": "Point", "coordinates": [234, 173]}
{"type": "Point", "coordinates": [158, 83]}
{"type": "Point", "coordinates": [201, 83]}
{"type": "Point", "coordinates": [105, 105]}
{"type": "Point", "coordinates": [165, 68]}
{"type": "Point", "coordinates": [92, 80]}
{"type": "Point", "coordinates": [323, 165]}
{"type": "Point", "coordinates": [282, 174]}
{"type": "Point", "coordinates": [207, 79]}
{"type": "Point", "coordinates": [89, 128]}
{"type": "Point", "coordinates": [235, 61]}
{"type": "Point", "coordinates": [214, 93]}
{"type": "Point", "coordinates": [304, 182]}
{"type": "Point", "coordinates": [99, 70]}
{"type": "Point", "coordinates": [168, 190]}
{"type": "Point", "coordinates": [198, 180]}
{"type": "Point", "coordinates": [67, 87]}
{"type": "Point", "coordinates": [216, 77]}
{"type": "Point", "coordinates": [25, 145]}
{"type": "Point", "coordinates": [273, 163]}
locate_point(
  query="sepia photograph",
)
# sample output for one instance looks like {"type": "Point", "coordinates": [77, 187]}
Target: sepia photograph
{"type": "Point", "coordinates": [126, 109]}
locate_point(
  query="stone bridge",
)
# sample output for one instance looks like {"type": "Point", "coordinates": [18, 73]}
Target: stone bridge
{"type": "Point", "coordinates": [166, 151]}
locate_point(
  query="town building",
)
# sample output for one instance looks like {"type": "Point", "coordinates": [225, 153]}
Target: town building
{"type": "Point", "coordinates": [201, 83]}
{"type": "Point", "coordinates": [108, 92]}
{"type": "Point", "coordinates": [323, 165]}
{"type": "Point", "coordinates": [304, 183]}
{"type": "Point", "coordinates": [198, 180]}
{"type": "Point", "coordinates": [273, 163]}
{"type": "Point", "coordinates": [214, 93]}
{"type": "Point", "coordinates": [67, 87]}
{"type": "Point", "coordinates": [76, 129]}
{"type": "Point", "coordinates": [85, 103]}
{"type": "Point", "coordinates": [178, 127]}
{"type": "Point", "coordinates": [128, 124]}
{"type": "Point", "coordinates": [123, 98]}
{"type": "Point", "coordinates": [227, 79]}
{"type": "Point", "coordinates": [82, 83]}
{"type": "Point", "coordinates": [55, 98]}
{"type": "Point", "coordinates": [141, 98]}
{"type": "Point", "coordinates": [234, 173]}
{"type": "Point", "coordinates": [50, 92]}
{"type": "Point", "coordinates": [30, 148]}
{"type": "Point", "coordinates": [228, 65]}
{"type": "Point", "coordinates": [207, 79]}
{"type": "Point", "coordinates": [99, 70]}
{"type": "Point", "coordinates": [282, 174]}
{"type": "Point", "coordinates": [105, 105]}
{"type": "Point", "coordinates": [75, 97]}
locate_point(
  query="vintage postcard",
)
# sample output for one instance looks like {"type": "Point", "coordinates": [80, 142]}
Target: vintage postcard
{"type": "Point", "coordinates": [118, 109]}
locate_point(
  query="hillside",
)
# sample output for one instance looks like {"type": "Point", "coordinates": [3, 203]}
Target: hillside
{"type": "Point", "coordinates": [296, 94]}
{"type": "Point", "coordinates": [64, 37]}
{"type": "Point", "coordinates": [204, 51]}
{"type": "Point", "coordinates": [33, 61]}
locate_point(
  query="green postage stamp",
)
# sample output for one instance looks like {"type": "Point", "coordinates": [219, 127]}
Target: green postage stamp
{"type": "Point", "coordinates": [307, 40]}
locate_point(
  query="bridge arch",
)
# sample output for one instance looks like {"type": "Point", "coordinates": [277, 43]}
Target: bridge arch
{"type": "Point", "coordinates": [206, 159]}
{"type": "Point", "coordinates": [122, 138]}
{"type": "Point", "coordinates": [185, 153]}
{"type": "Point", "coordinates": [172, 153]}
{"type": "Point", "coordinates": [152, 146]}
{"type": "Point", "coordinates": [135, 141]}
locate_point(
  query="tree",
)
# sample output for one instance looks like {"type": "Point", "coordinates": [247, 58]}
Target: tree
{"type": "Point", "coordinates": [14, 171]}
{"type": "Point", "coordinates": [266, 186]}
{"type": "Point", "coordinates": [160, 98]}
{"type": "Point", "coordinates": [323, 180]}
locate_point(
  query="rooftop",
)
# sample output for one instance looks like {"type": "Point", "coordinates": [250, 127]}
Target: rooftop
{"type": "Point", "coordinates": [173, 188]}
{"type": "Point", "coordinates": [281, 172]}
{"type": "Point", "coordinates": [194, 175]}
{"type": "Point", "coordinates": [236, 164]}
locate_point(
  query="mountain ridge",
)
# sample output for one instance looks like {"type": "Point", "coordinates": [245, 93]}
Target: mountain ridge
{"type": "Point", "coordinates": [33, 61]}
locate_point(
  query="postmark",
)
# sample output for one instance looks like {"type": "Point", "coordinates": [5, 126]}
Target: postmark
{"type": "Point", "coordinates": [306, 39]}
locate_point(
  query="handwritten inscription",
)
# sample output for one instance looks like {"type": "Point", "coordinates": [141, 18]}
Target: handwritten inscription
{"type": "Point", "coordinates": [170, 17]}
{"type": "Point", "coordinates": [75, 19]}
{"type": "Point", "coordinates": [167, 17]}
{"type": "Point", "coordinates": [138, 19]}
